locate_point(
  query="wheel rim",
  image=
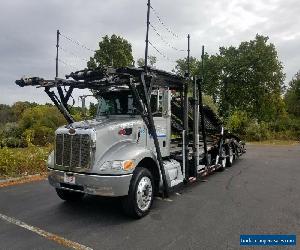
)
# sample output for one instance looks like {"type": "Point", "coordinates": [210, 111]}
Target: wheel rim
{"type": "Point", "coordinates": [223, 162]}
{"type": "Point", "coordinates": [144, 193]}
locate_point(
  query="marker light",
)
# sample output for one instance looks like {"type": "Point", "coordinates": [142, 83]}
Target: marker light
{"type": "Point", "coordinates": [127, 165]}
{"type": "Point", "coordinates": [125, 131]}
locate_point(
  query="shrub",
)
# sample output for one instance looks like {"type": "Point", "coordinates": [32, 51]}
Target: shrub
{"type": "Point", "coordinates": [284, 128]}
{"type": "Point", "coordinates": [237, 122]}
{"type": "Point", "coordinates": [258, 131]}
{"type": "Point", "coordinates": [39, 135]}
{"type": "Point", "coordinates": [39, 124]}
{"type": "Point", "coordinates": [11, 136]}
{"type": "Point", "coordinates": [16, 162]}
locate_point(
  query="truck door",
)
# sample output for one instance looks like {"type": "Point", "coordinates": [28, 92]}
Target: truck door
{"type": "Point", "coordinates": [160, 104]}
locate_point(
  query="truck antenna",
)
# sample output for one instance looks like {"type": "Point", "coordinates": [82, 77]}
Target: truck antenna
{"type": "Point", "coordinates": [57, 46]}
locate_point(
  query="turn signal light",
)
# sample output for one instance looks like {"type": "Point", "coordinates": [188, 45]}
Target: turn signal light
{"type": "Point", "coordinates": [128, 165]}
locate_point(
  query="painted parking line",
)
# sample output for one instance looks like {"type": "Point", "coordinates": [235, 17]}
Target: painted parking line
{"type": "Point", "coordinates": [50, 236]}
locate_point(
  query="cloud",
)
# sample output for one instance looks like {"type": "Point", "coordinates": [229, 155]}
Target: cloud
{"type": "Point", "coordinates": [28, 33]}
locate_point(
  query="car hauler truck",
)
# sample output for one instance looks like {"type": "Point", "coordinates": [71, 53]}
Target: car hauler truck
{"type": "Point", "coordinates": [147, 138]}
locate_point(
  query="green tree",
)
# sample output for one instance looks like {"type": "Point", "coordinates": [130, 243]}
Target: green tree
{"type": "Point", "coordinates": [292, 96]}
{"type": "Point", "coordinates": [93, 110]}
{"type": "Point", "coordinates": [151, 61]}
{"type": "Point", "coordinates": [251, 79]}
{"type": "Point", "coordinates": [181, 67]}
{"type": "Point", "coordinates": [248, 77]}
{"type": "Point", "coordinates": [113, 51]}
{"type": "Point", "coordinates": [6, 114]}
{"type": "Point", "coordinates": [39, 124]}
{"type": "Point", "coordinates": [19, 107]}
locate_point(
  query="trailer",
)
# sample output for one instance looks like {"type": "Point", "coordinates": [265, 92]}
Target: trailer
{"type": "Point", "coordinates": [148, 138]}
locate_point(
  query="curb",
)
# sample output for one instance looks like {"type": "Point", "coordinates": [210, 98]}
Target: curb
{"type": "Point", "coordinates": [22, 180]}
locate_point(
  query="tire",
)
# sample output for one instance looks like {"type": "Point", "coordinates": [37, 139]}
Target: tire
{"type": "Point", "coordinates": [236, 150]}
{"type": "Point", "coordinates": [230, 154]}
{"type": "Point", "coordinates": [223, 159]}
{"type": "Point", "coordinates": [68, 195]}
{"type": "Point", "coordinates": [140, 195]}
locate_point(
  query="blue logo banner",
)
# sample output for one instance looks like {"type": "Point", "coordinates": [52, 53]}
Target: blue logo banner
{"type": "Point", "coordinates": [267, 240]}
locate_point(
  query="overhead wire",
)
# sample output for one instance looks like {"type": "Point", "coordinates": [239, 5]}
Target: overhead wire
{"type": "Point", "coordinates": [77, 42]}
{"type": "Point", "coordinates": [164, 40]}
{"type": "Point", "coordinates": [159, 52]}
{"type": "Point", "coordinates": [71, 53]}
{"type": "Point", "coordinates": [162, 23]}
{"type": "Point", "coordinates": [67, 64]}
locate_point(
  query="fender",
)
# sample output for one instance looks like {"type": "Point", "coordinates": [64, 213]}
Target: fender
{"type": "Point", "coordinates": [121, 151]}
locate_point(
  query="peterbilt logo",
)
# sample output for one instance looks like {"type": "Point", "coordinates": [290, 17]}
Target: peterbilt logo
{"type": "Point", "coordinates": [72, 131]}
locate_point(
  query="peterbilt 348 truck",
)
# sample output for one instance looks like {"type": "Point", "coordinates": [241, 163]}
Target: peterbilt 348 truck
{"type": "Point", "coordinates": [149, 137]}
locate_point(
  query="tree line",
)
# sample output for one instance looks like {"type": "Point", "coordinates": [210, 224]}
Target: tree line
{"type": "Point", "coordinates": [25, 123]}
{"type": "Point", "coordinates": [244, 84]}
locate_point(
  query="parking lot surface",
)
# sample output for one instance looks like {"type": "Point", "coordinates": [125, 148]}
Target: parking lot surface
{"type": "Point", "coordinates": [259, 194]}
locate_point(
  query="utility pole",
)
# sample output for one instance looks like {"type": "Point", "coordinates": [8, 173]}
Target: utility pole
{"type": "Point", "coordinates": [200, 83]}
{"type": "Point", "coordinates": [57, 46]}
{"type": "Point", "coordinates": [186, 118]}
{"type": "Point", "coordinates": [59, 89]}
{"type": "Point", "coordinates": [147, 35]}
{"type": "Point", "coordinates": [188, 57]}
{"type": "Point", "coordinates": [83, 104]}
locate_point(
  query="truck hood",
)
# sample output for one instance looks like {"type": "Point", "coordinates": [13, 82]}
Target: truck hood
{"type": "Point", "coordinates": [105, 136]}
{"type": "Point", "coordinates": [105, 122]}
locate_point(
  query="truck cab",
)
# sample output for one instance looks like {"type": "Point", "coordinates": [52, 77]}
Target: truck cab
{"type": "Point", "coordinates": [114, 152]}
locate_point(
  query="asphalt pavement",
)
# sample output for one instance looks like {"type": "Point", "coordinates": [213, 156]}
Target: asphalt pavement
{"type": "Point", "coordinates": [259, 194]}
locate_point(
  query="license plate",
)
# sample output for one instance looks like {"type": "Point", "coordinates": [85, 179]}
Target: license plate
{"type": "Point", "coordinates": [69, 179]}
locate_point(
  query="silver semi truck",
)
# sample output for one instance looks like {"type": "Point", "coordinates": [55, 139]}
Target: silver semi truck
{"type": "Point", "coordinates": [148, 137]}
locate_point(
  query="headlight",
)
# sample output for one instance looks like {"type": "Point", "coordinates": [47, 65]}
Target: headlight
{"type": "Point", "coordinates": [118, 165]}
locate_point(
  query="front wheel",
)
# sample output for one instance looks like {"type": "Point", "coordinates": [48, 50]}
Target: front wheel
{"type": "Point", "coordinates": [141, 192]}
{"type": "Point", "coordinates": [68, 195]}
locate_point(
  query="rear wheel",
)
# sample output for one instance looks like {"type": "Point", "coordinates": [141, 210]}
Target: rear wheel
{"type": "Point", "coordinates": [68, 195]}
{"type": "Point", "coordinates": [140, 196]}
{"type": "Point", "coordinates": [230, 156]}
{"type": "Point", "coordinates": [222, 159]}
{"type": "Point", "coordinates": [235, 150]}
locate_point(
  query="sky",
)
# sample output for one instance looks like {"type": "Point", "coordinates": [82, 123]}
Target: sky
{"type": "Point", "coordinates": [28, 34]}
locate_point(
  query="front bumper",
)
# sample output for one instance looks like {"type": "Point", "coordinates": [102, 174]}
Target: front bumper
{"type": "Point", "coordinates": [117, 185]}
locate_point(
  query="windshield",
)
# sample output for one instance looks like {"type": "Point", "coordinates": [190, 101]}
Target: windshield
{"type": "Point", "coordinates": [116, 103]}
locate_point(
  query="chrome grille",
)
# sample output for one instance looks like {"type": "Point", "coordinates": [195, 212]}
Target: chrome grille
{"type": "Point", "coordinates": [73, 151]}
{"type": "Point", "coordinates": [59, 149]}
{"type": "Point", "coordinates": [85, 150]}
